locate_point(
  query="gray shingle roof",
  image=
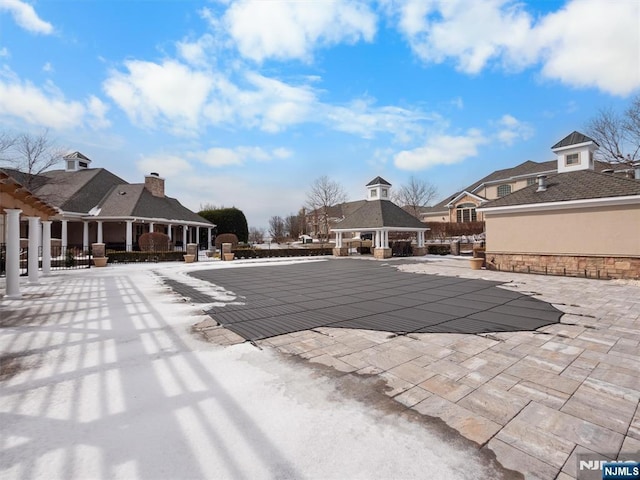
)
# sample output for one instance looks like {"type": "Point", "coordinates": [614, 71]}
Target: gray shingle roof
{"type": "Point", "coordinates": [378, 214]}
{"type": "Point", "coordinates": [564, 187]}
{"type": "Point", "coordinates": [574, 138]}
{"type": "Point", "coordinates": [378, 181]}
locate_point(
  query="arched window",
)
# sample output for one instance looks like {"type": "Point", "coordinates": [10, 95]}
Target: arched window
{"type": "Point", "coordinates": [504, 190]}
{"type": "Point", "coordinates": [466, 212]}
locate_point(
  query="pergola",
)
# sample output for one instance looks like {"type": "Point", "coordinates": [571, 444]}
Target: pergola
{"type": "Point", "coordinates": [16, 200]}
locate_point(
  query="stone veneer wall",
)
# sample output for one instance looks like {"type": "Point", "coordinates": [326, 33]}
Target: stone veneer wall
{"type": "Point", "coordinates": [572, 266]}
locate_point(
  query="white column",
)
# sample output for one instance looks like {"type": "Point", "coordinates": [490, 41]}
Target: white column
{"type": "Point", "coordinates": [376, 240]}
{"type": "Point", "coordinates": [385, 239]}
{"type": "Point", "coordinates": [129, 236]}
{"type": "Point", "coordinates": [151, 227]}
{"type": "Point", "coordinates": [64, 241]}
{"type": "Point", "coordinates": [34, 243]}
{"type": "Point", "coordinates": [197, 237]}
{"type": "Point", "coordinates": [185, 230]}
{"type": "Point", "coordinates": [169, 229]}
{"type": "Point", "coordinates": [46, 247]}
{"type": "Point", "coordinates": [100, 231]}
{"type": "Point", "coordinates": [209, 244]}
{"type": "Point", "coordinates": [85, 236]}
{"type": "Point", "coordinates": [13, 252]}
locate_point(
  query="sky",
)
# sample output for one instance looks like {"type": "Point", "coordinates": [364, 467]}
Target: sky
{"type": "Point", "coordinates": [245, 103]}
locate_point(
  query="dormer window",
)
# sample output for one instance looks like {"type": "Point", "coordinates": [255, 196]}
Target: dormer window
{"type": "Point", "coordinates": [83, 164]}
{"type": "Point", "coordinates": [71, 165]}
{"type": "Point", "coordinates": [374, 193]}
{"type": "Point", "coordinates": [504, 190]}
{"type": "Point", "coordinates": [385, 192]}
{"type": "Point", "coordinates": [572, 159]}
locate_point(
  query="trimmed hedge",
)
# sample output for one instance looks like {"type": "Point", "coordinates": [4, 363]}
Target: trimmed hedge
{"type": "Point", "coordinates": [443, 249]}
{"type": "Point", "coordinates": [134, 257]}
{"type": "Point", "coordinates": [281, 252]}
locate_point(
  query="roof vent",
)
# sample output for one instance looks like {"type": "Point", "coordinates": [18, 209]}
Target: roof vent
{"type": "Point", "coordinates": [542, 183]}
{"type": "Point", "coordinates": [608, 170]}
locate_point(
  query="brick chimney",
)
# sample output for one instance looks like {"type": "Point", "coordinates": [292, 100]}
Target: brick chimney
{"type": "Point", "coordinates": [154, 184]}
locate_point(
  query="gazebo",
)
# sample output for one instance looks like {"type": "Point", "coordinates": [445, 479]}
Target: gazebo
{"type": "Point", "coordinates": [379, 216]}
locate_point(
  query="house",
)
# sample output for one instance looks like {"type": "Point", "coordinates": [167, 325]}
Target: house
{"type": "Point", "coordinates": [95, 206]}
{"type": "Point", "coordinates": [378, 215]}
{"type": "Point", "coordinates": [463, 206]}
{"type": "Point", "coordinates": [576, 220]}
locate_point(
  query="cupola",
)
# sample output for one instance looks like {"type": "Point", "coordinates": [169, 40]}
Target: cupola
{"type": "Point", "coordinates": [378, 189]}
{"type": "Point", "coordinates": [76, 161]}
{"type": "Point", "coordinates": [575, 152]}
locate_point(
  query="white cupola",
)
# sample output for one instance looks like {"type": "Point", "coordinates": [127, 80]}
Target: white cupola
{"type": "Point", "coordinates": [378, 189]}
{"type": "Point", "coordinates": [76, 161]}
{"type": "Point", "coordinates": [575, 152]}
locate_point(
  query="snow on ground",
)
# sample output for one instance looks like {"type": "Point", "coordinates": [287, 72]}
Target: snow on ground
{"type": "Point", "coordinates": [106, 381]}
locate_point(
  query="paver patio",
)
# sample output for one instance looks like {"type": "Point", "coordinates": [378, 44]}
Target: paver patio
{"type": "Point", "coordinates": [536, 398]}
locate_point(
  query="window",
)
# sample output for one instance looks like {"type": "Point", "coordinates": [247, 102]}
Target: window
{"type": "Point", "coordinates": [572, 159]}
{"type": "Point", "coordinates": [83, 164]}
{"type": "Point", "coordinates": [384, 192]}
{"type": "Point", "coordinates": [374, 193]}
{"type": "Point", "coordinates": [531, 181]}
{"type": "Point", "coordinates": [71, 165]}
{"type": "Point", "coordinates": [504, 190]}
{"type": "Point", "coordinates": [466, 212]}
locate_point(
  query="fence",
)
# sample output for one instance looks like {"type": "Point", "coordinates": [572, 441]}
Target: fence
{"type": "Point", "coordinates": [62, 258]}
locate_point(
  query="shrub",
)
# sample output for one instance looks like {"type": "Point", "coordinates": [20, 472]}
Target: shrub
{"type": "Point", "coordinates": [154, 242]}
{"type": "Point", "coordinates": [227, 238]}
{"type": "Point", "coordinates": [452, 229]}
{"type": "Point", "coordinates": [444, 249]}
{"type": "Point", "coordinates": [228, 220]}
{"type": "Point", "coordinates": [134, 257]}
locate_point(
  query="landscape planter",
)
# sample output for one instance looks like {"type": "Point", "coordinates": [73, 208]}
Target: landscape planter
{"type": "Point", "coordinates": [476, 263]}
{"type": "Point", "coordinates": [189, 258]}
{"type": "Point", "coordinates": [100, 261]}
{"type": "Point", "coordinates": [228, 256]}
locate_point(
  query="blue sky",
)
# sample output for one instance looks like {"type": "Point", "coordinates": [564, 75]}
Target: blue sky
{"type": "Point", "coordinates": [245, 102]}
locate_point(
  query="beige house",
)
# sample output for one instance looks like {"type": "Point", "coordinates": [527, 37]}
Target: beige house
{"type": "Point", "coordinates": [464, 206]}
{"type": "Point", "coordinates": [577, 221]}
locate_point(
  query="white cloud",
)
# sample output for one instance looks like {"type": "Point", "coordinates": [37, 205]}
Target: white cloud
{"type": "Point", "coordinates": [166, 165]}
{"type": "Point", "coordinates": [45, 107]}
{"type": "Point", "coordinates": [222, 157]}
{"type": "Point", "coordinates": [441, 150]}
{"type": "Point", "coordinates": [292, 30]}
{"type": "Point", "coordinates": [4, 52]}
{"type": "Point", "coordinates": [170, 93]}
{"type": "Point", "coordinates": [588, 43]}
{"type": "Point", "coordinates": [196, 52]}
{"type": "Point", "coordinates": [510, 129]}
{"type": "Point", "coordinates": [97, 111]}
{"type": "Point", "coordinates": [47, 67]}
{"type": "Point", "coordinates": [25, 16]}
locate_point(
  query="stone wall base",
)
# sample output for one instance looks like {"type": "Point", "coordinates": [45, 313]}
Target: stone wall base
{"type": "Point", "coordinates": [571, 266]}
{"type": "Point", "coordinates": [341, 252]}
{"type": "Point", "coordinates": [381, 253]}
{"type": "Point", "coordinates": [419, 251]}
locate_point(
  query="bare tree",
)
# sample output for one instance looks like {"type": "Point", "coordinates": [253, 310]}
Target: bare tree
{"type": "Point", "coordinates": [415, 194]}
{"type": "Point", "coordinates": [293, 226]}
{"type": "Point", "coordinates": [7, 141]}
{"type": "Point", "coordinates": [256, 235]}
{"type": "Point", "coordinates": [617, 134]}
{"type": "Point", "coordinates": [32, 154]}
{"type": "Point", "coordinates": [324, 193]}
{"type": "Point", "coordinates": [276, 228]}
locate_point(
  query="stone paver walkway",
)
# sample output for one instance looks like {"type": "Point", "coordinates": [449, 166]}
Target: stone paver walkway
{"type": "Point", "coordinates": [537, 399]}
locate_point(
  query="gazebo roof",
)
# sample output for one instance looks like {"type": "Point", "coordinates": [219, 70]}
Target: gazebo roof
{"type": "Point", "coordinates": [380, 214]}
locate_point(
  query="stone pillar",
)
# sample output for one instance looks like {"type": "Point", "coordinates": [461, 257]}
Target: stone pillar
{"type": "Point", "coordinates": [13, 252]}
{"type": "Point", "coordinates": [46, 247]}
{"type": "Point", "coordinates": [100, 239]}
{"type": "Point", "coordinates": [129, 236]}
{"type": "Point", "coordinates": [34, 243]}
{"type": "Point", "coordinates": [455, 247]}
{"type": "Point", "coordinates": [85, 236]}
{"type": "Point", "coordinates": [64, 242]}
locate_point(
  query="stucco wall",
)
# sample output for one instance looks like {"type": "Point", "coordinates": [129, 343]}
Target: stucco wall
{"type": "Point", "coordinates": [593, 231]}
